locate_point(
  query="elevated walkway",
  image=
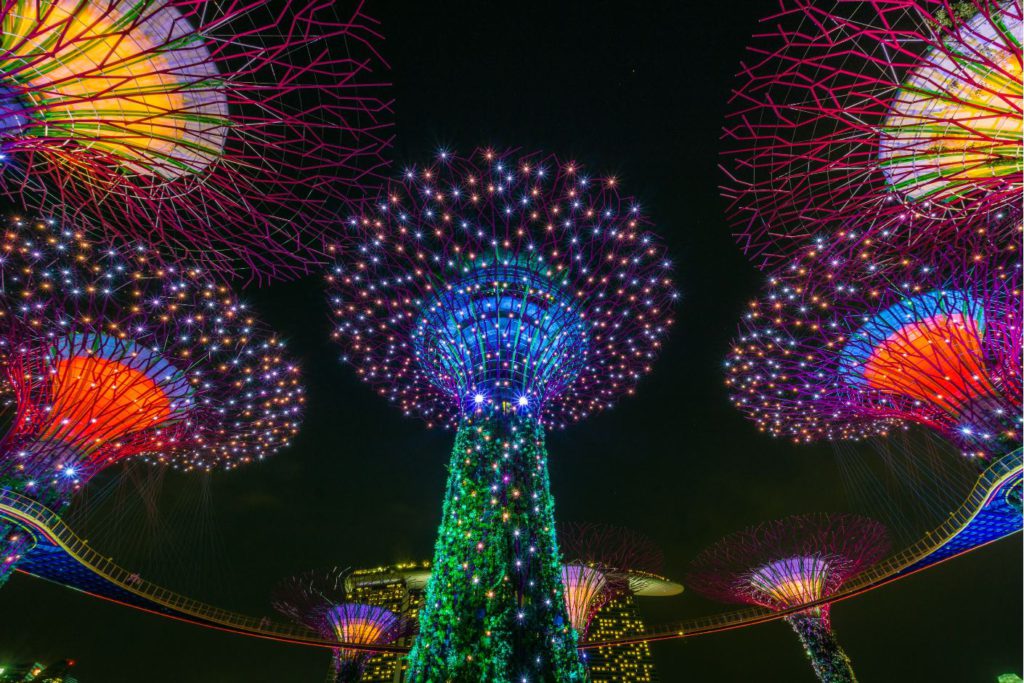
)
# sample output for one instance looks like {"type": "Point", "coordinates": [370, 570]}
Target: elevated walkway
{"type": "Point", "coordinates": [61, 557]}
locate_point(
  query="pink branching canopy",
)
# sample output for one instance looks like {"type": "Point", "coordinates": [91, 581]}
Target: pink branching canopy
{"type": "Point", "coordinates": [231, 132]}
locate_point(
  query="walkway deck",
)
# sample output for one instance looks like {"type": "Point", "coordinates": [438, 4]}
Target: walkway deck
{"type": "Point", "coordinates": [62, 557]}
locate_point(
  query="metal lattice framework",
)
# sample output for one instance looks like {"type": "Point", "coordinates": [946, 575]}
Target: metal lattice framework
{"type": "Point", "coordinates": [791, 562]}
{"type": "Point", "coordinates": [501, 293]}
{"type": "Point", "coordinates": [848, 347]}
{"type": "Point", "coordinates": [881, 112]}
{"type": "Point", "coordinates": [108, 355]}
{"type": "Point", "coordinates": [788, 562]}
{"type": "Point", "coordinates": [232, 131]}
{"type": "Point", "coordinates": [602, 563]}
{"type": "Point", "coordinates": [502, 279]}
{"type": "Point", "coordinates": [319, 600]}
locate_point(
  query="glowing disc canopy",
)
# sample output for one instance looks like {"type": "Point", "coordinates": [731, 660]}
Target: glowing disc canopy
{"type": "Point", "coordinates": [129, 79]}
{"type": "Point", "coordinates": [927, 347]}
{"type": "Point", "coordinates": [791, 581]}
{"type": "Point", "coordinates": [103, 389]}
{"type": "Point", "coordinates": [957, 117]}
{"type": "Point", "coordinates": [507, 332]}
{"type": "Point", "coordinates": [362, 624]}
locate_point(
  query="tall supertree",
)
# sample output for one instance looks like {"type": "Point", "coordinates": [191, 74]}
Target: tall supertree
{"type": "Point", "coordinates": [108, 356]}
{"type": "Point", "coordinates": [792, 562]}
{"type": "Point", "coordinates": [603, 563]}
{"type": "Point", "coordinates": [232, 130]}
{"type": "Point", "coordinates": [320, 600]}
{"type": "Point", "coordinates": [501, 295]}
{"type": "Point", "coordinates": [884, 112]}
{"type": "Point", "coordinates": [851, 347]}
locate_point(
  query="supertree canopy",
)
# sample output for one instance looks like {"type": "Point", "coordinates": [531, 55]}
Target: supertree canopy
{"type": "Point", "coordinates": [602, 563]}
{"type": "Point", "coordinates": [108, 356]}
{"type": "Point", "coordinates": [500, 295]}
{"type": "Point", "coordinates": [884, 111]}
{"type": "Point", "coordinates": [230, 130]}
{"type": "Point", "coordinates": [320, 601]}
{"type": "Point", "coordinates": [844, 348]}
{"type": "Point", "coordinates": [791, 562]}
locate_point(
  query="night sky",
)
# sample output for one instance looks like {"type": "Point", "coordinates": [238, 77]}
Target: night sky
{"type": "Point", "coordinates": [637, 90]}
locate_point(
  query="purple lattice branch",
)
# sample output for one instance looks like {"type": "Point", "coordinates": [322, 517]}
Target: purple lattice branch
{"type": "Point", "coordinates": [806, 556]}
{"type": "Point", "coordinates": [233, 133]}
{"type": "Point", "coordinates": [584, 291]}
{"type": "Point", "coordinates": [880, 112]}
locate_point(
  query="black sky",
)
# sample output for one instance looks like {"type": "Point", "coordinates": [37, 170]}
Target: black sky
{"type": "Point", "coordinates": [632, 89]}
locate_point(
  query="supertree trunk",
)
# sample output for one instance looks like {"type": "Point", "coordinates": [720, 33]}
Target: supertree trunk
{"type": "Point", "coordinates": [345, 668]}
{"type": "Point", "coordinates": [831, 664]}
{"type": "Point", "coordinates": [495, 608]}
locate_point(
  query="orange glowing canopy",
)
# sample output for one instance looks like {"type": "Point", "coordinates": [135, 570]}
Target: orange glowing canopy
{"type": "Point", "coordinates": [937, 360]}
{"type": "Point", "coordinates": [928, 348]}
{"type": "Point", "coordinates": [103, 390]}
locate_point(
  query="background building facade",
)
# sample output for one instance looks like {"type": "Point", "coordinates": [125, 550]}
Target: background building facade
{"type": "Point", "coordinates": [400, 588]}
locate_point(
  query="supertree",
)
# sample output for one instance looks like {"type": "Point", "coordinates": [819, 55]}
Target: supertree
{"type": "Point", "coordinates": [108, 356]}
{"type": "Point", "coordinates": [321, 601]}
{"type": "Point", "coordinates": [884, 112]}
{"type": "Point", "coordinates": [500, 295]}
{"type": "Point", "coordinates": [602, 563]}
{"type": "Point", "coordinates": [232, 130]}
{"type": "Point", "coordinates": [791, 562]}
{"type": "Point", "coordinates": [846, 348]}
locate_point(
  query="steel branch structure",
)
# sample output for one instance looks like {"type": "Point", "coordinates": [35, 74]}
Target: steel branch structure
{"type": "Point", "coordinates": [108, 355]}
{"type": "Point", "coordinates": [791, 562]}
{"type": "Point", "coordinates": [880, 112]}
{"type": "Point", "coordinates": [500, 294]}
{"type": "Point", "coordinates": [848, 347]}
{"type": "Point", "coordinates": [233, 131]}
{"type": "Point", "coordinates": [602, 563]}
{"type": "Point", "coordinates": [319, 601]}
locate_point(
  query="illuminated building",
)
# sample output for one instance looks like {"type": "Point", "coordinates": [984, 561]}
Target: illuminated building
{"type": "Point", "coordinates": [401, 587]}
{"type": "Point", "coordinates": [630, 663]}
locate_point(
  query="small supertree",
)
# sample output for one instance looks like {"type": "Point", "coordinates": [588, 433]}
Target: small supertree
{"type": "Point", "coordinates": [320, 601]}
{"type": "Point", "coordinates": [791, 562]}
{"type": "Point", "coordinates": [845, 348]}
{"type": "Point", "coordinates": [602, 563]}
{"type": "Point", "coordinates": [879, 111]}
{"type": "Point", "coordinates": [500, 295]}
{"type": "Point", "coordinates": [109, 356]}
{"type": "Point", "coordinates": [230, 130]}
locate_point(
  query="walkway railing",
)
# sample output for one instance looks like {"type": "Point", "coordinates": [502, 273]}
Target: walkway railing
{"type": "Point", "coordinates": [881, 573]}
{"type": "Point", "coordinates": [48, 524]}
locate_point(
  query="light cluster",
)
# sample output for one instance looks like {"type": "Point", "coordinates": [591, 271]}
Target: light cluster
{"type": "Point", "coordinates": [495, 605]}
{"type": "Point", "coordinates": [790, 562]}
{"type": "Point", "coordinates": [855, 346]}
{"type": "Point", "coordinates": [502, 280]}
{"type": "Point", "coordinates": [320, 600]}
{"type": "Point", "coordinates": [109, 355]}
{"type": "Point", "coordinates": [500, 294]}
{"type": "Point", "coordinates": [879, 113]}
{"type": "Point", "coordinates": [232, 132]}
